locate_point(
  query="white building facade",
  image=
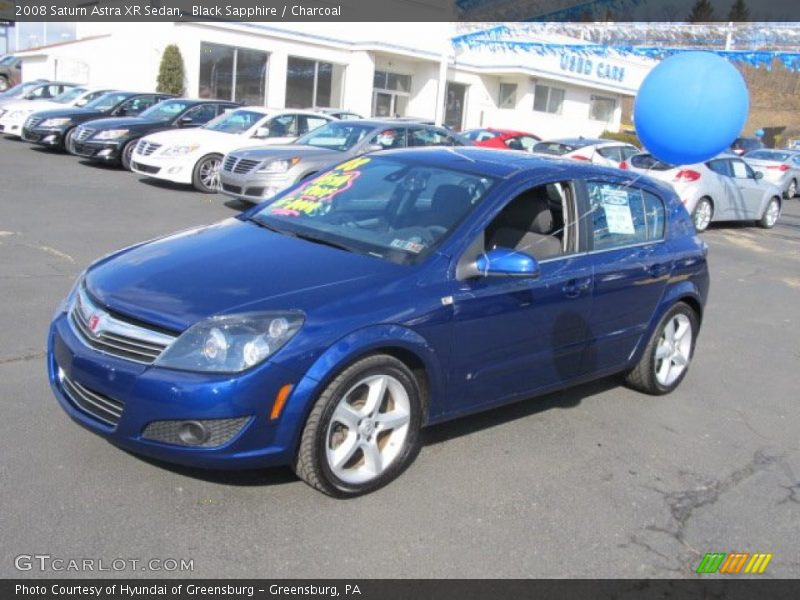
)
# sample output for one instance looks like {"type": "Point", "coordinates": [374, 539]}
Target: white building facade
{"type": "Point", "coordinates": [374, 69]}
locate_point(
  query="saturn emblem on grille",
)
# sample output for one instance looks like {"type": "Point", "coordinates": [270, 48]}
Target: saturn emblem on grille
{"type": "Point", "coordinates": [95, 322]}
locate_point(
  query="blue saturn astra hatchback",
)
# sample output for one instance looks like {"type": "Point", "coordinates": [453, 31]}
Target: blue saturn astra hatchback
{"type": "Point", "coordinates": [323, 328]}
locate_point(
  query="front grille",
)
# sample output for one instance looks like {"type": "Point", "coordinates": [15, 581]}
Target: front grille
{"type": "Point", "coordinates": [106, 333]}
{"type": "Point", "coordinates": [32, 122]}
{"type": "Point", "coordinates": [100, 407]}
{"type": "Point", "coordinates": [240, 166]}
{"type": "Point", "coordinates": [146, 148]}
{"type": "Point", "coordinates": [82, 149]}
{"type": "Point", "coordinates": [83, 134]}
{"type": "Point", "coordinates": [233, 189]}
{"type": "Point", "coordinates": [145, 168]}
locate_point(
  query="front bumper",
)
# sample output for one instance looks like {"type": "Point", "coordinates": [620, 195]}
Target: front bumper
{"type": "Point", "coordinates": [252, 187]}
{"type": "Point", "coordinates": [12, 127]}
{"type": "Point", "coordinates": [175, 169]}
{"type": "Point", "coordinates": [106, 151]}
{"type": "Point", "coordinates": [148, 394]}
{"type": "Point", "coordinates": [51, 138]}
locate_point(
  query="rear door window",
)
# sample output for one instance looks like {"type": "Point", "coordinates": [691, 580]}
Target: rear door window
{"type": "Point", "coordinates": [624, 216]}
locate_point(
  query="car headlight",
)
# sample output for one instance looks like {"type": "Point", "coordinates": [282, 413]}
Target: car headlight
{"type": "Point", "coordinates": [111, 134]}
{"type": "Point", "coordinates": [56, 122]}
{"type": "Point", "coordinates": [278, 166]}
{"type": "Point", "coordinates": [230, 344]}
{"type": "Point", "coordinates": [179, 150]}
{"type": "Point", "coordinates": [19, 113]}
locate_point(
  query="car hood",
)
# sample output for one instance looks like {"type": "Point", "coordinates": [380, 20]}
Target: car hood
{"type": "Point", "coordinates": [280, 151]}
{"type": "Point", "coordinates": [31, 105]}
{"type": "Point", "coordinates": [208, 140]}
{"type": "Point", "coordinates": [134, 123]}
{"type": "Point", "coordinates": [230, 267]}
{"type": "Point", "coordinates": [72, 112]}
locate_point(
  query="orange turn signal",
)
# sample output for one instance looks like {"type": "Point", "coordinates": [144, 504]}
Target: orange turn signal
{"type": "Point", "coordinates": [280, 401]}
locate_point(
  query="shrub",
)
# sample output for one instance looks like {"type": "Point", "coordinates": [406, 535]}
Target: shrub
{"type": "Point", "coordinates": [628, 138]}
{"type": "Point", "coordinates": [170, 73]}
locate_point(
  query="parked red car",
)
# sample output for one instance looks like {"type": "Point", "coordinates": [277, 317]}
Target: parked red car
{"type": "Point", "coordinates": [502, 138]}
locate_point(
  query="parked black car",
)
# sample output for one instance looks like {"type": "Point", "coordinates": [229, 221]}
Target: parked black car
{"type": "Point", "coordinates": [112, 140]}
{"type": "Point", "coordinates": [55, 128]}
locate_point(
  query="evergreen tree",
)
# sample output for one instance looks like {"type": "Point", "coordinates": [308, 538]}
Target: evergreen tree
{"type": "Point", "coordinates": [739, 12]}
{"type": "Point", "coordinates": [170, 73]}
{"type": "Point", "coordinates": [702, 12]}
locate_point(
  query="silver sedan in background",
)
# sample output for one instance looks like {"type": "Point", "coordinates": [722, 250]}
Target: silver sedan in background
{"type": "Point", "coordinates": [256, 174]}
{"type": "Point", "coordinates": [781, 167]}
{"type": "Point", "coordinates": [724, 188]}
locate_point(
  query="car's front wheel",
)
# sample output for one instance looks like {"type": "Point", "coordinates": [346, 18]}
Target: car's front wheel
{"type": "Point", "coordinates": [127, 154]}
{"type": "Point", "coordinates": [67, 142]}
{"type": "Point", "coordinates": [702, 214]}
{"type": "Point", "coordinates": [3, 83]}
{"type": "Point", "coordinates": [771, 214]}
{"type": "Point", "coordinates": [363, 430]}
{"type": "Point", "coordinates": [666, 358]}
{"type": "Point", "coordinates": [205, 177]}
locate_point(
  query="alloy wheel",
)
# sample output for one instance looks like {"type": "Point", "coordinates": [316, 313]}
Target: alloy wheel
{"type": "Point", "coordinates": [772, 213]}
{"type": "Point", "coordinates": [209, 173]}
{"type": "Point", "coordinates": [674, 349]}
{"type": "Point", "coordinates": [368, 429]}
{"type": "Point", "coordinates": [702, 215]}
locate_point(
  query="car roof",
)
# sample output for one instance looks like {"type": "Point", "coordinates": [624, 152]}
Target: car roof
{"type": "Point", "coordinates": [492, 162]}
{"type": "Point", "coordinates": [386, 123]}
{"type": "Point", "coordinates": [268, 111]}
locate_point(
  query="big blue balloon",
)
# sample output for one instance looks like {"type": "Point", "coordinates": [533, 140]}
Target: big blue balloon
{"type": "Point", "coordinates": [690, 107]}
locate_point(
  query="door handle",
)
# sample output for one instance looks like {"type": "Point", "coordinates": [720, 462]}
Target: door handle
{"type": "Point", "coordinates": [658, 269]}
{"type": "Point", "coordinates": [575, 287]}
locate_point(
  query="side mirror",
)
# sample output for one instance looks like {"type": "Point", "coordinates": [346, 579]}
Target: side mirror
{"type": "Point", "coordinates": [184, 121]}
{"type": "Point", "coordinates": [505, 262]}
{"type": "Point", "coordinates": [758, 175]}
{"type": "Point", "coordinates": [121, 111]}
{"type": "Point", "coordinates": [261, 133]}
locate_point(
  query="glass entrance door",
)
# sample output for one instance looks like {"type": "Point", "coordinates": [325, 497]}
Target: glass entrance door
{"type": "Point", "coordinates": [454, 105]}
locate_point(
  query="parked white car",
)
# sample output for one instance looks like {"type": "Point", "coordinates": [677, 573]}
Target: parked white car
{"type": "Point", "coordinates": [13, 115]}
{"type": "Point", "coordinates": [781, 167]}
{"type": "Point", "coordinates": [724, 188]}
{"type": "Point", "coordinates": [194, 156]}
{"type": "Point", "coordinates": [600, 152]}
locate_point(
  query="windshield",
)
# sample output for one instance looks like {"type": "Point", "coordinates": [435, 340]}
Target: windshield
{"type": "Point", "coordinates": [336, 136]}
{"type": "Point", "coordinates": [378, 206]}
{"type": "Point", "coordinates": [479, 135]}
{"type": "Point", "coordinates": [165, 111]}
{"type": "Point", "coordinates": [235, 121]}
{"type": "Point", "coordinates": [768, 155]}
{"type": "Point", "coordinates": [20, 89]}
{"type": "Point", "coordinates": [69, 95]}
{"type": "Point", "coordinates": [106, 102]}
{"type": "Point", "coordinates": [8, 60]}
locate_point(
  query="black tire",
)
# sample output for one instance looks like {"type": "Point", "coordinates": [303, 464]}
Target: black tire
{"type": "Point", "coordinates": [3, 83]}
{"type": "Point", "coordinates": [198, 174]}
{"type": "Point", "coordinates": [767, 221]}
{"type": "Point", "coordinates": [312, 464]}
{"type": "Point", "coordinates": [126, 154]}
{"type": "Point", "coordinates": [701, 205]}
{"type": "Point", "coordinates": [643, 376]}
{"type": "Point", "coordinates": [67, 140]}
{"type": "Point", "coordinates": [791, 191]}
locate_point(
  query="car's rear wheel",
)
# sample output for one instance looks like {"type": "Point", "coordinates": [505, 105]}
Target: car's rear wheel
{"type": "Point", "coordinates": [791, 191]}
{"type": "Point", "coordinates": [703, 212]}
{"type": "Point", "coordinates": [205, 177]}
{"type": "Point", "coordinates": [127, 154]}
{"type": "Point", "coordinates": [363, 431]}
{"type": "Point", "coordinates": [771, 214]}
{"type": "Point", "coordinates": [666, 358]}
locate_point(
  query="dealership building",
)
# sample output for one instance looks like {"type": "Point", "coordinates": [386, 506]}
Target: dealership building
{"type": "Point", "coordinates": [374, 69]}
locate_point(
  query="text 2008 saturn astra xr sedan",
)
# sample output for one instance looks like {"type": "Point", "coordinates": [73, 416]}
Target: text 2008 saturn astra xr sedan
{"type": "Point", "coordinates": [323, 328]}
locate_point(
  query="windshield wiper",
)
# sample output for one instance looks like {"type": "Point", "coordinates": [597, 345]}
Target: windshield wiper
{"type": "Point", "coordinates": [269, 227]}
{"type": "Point", "coordinates": [323, 241]}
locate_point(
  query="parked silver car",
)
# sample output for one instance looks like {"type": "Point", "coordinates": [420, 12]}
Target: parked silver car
{"type": "Point", "coordinates": [724, 188]}
{"type": "Point", "coordinates": [607, 153]}
{"type": "Point", "coordinates": [781, 167]}
{"type": "Point", "coordinates": [255, 174]}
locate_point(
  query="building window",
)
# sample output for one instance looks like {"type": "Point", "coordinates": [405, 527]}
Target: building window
{"type": "Point", "coordinates": [508, 95]}
{"type": "Point", "coordinates": [390, 94]}
{"type": "Point", "coordinates": [602, 108]}
{"type": "Point", "coordinates": [312, 83]}
{"type": "Point", "coordinates": [548, 99]}
{"type": "Point", "coordinates": [229, 73]}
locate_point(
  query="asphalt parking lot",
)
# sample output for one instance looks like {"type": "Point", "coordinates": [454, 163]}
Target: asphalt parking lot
{"type": "Point", "coordinates": [596, 481]}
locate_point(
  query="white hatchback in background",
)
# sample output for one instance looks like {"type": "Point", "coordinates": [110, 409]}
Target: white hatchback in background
{"type": "Point", "coordinates": [12, 116]}
{"type": "Point", "coordinates": [724, 188]}
{"type": "Point", "coordinates": [781, 167]}
{"type": "Point", "coordinates": [194, 156]}
{"type": "Point", "coordinates": [600, 152]}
